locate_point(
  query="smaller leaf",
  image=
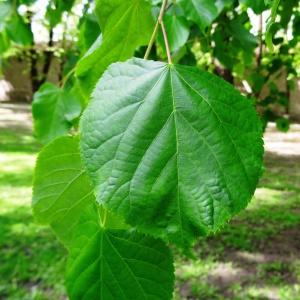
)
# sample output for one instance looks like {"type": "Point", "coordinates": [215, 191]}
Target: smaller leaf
{"type": "Point", "coordinates": [283, 124]}
{"type": "Point", "coordinates": [272, 27]}
{"type": "Point", "coordinates": [61, 189]}
{"type": "Point", "coordinates": [89, 32]}
{"type": "Point", "coordinates": [201, 12]}
{"type": "Point", "coordinates": [178, 31]}
{"type": "Point", "coordinates": [4, 42]}
{"type": "Point", "coordinates": [125, 25]}
{"type": "Point", "coordinates": [110, 264]}
{"type": "Point", "coordinates": [258, 6]}
{"type": "Point", "coordinates": [53, 111]}
{"type": "Point", "coordinates": [55, 11]}
{"type": "Point", "coordinates": [18, 31]}
{"type": "Point", "coordinates": [5, 11]}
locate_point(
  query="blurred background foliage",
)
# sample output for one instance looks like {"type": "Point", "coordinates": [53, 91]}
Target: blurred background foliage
{"type": "Point", "coordinates": [232, 38]}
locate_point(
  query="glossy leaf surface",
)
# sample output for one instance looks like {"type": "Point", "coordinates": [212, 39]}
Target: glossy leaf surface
{"type": "Point", "coordinates": [175, 150]}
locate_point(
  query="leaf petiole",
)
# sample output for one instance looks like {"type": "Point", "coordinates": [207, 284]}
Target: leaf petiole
{"type": "Point", "coordinates": [154, 34]}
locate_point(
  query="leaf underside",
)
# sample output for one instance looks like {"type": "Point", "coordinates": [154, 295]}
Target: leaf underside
{"type": "Point", "coordinates": [174, 150]}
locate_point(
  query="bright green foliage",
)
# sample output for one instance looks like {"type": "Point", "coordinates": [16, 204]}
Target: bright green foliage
{"type": "Point", "coordinates": [5, 10]}
{"type": "Point", "coordinates": [283, 124]}
{"type": "Point", "coordinates": [258, 6]}
{"type": "Point", "coordinates": [175, 150]}
{"type": "Point", "coordinates": [61, 187]}
{"type": "Point", "coordinates": [117, 263]}
{"type": "Point", "coordinates": [178, 31]}
{"type": "Point", "coordinates": [125, 25]}
{"type": "Point", "coordinates": [202, 12]}
{"type": "Point", "coordinates": [172, 152]}
{"type": "Point", "coordinates": [18, 31]}
{"type": "Point", "coordinates": [272, 27]}
{"type": "Point", "coordinates": [53, 110]}
{"type": "Point", "coordinates": [110, 264]}
{"type": "Point", "coordinates": [55, 10]}
{"type": "Point", "coordinates": [89, 32]}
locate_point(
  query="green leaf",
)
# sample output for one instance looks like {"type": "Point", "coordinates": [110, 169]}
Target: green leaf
{"type": "Point", "coordinates": [202, 12]}
{"type": "Point", "coordinates": [258, 6]}
{"type": "Point", "coordinates": [108, 264]}
{"type": "Point", "coordinates": [246, 40]}
{"type": "Point", "coordinates": [283, 124]}
{"type": "Point", "coordinates": [61, 188]}
{"type": "Point", "coordinates": [89, 32]}
{"type": "Point", "coordinates": [272, 26]}
{"type": "Point", "coordinates": [221, 4]}
{"type": "Point", "coordinates": [55, 10]}
{"type": "Point", "coordinates": [5, 11]}
{"type": "Point", "coordinates": [175, 150]}
{"type": "Point", "coordinates": [126, 25]}
{"type": "Point", "coordinates": [53, 110]}
{"type": "Point", "coordinates": [18, 31]}
{"type": "Point", "coordinates": [4, 42]}
{"type": "Point", "coordinates": [178, 31]}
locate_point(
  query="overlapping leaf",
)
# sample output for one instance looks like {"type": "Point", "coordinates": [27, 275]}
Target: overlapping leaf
{"type": "Point", "coordinates": [106, 259]}
{"type": "Point", "coordinates": [19, 31]}
{"type": "Point", "coordinates": [258, 6]}
{"type": "Point", "coordinates": [53, 111]}
{"type": "Point", "coordinates": [202, 12]}
{"type": "Point", "coordinates": [109, 264]}
{"type": "Point", "coordinates": [175, 150]}
{"type": "Point", "coordinates": [61, 188]}
{"type": "Point", "coordinates": [178, 31]}
{"type": "Point", "coordinates": [125, 25]}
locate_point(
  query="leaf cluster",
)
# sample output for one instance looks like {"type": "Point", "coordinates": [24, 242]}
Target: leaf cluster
{"type": "Point", "coordinates": [164, 153]}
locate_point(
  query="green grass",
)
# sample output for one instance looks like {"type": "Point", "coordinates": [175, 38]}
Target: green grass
{"type": "Point", "coordinates": [255, 257]}
{"type": "Point", "coordinates": [32, 261]}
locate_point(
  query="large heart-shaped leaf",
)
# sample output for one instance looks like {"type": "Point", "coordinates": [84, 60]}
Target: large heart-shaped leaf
{"type": "Point", "coordinates": [175, 150]}
{"type": "Point", "coordinates": [109, 264]}
{"type": "Point", "coordinates": [61, 187]}
{"type": "Point", "coordinates": [125, 25]}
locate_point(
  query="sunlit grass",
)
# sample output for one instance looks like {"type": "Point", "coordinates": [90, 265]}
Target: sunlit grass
{"type": "Point", "coordinates": [32, 261]}
{"type": "Point", "coordinates": [234, 264]}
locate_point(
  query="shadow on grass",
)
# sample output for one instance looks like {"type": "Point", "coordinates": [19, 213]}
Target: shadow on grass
{"type": "Point", "coordinates": [32, 260]}
{"type": "Point", "coordinates": [18, 141]}
{"type": "Point", "coordinates": [22, 178]}
{"type": "Point", "coordinates": [257, 255]}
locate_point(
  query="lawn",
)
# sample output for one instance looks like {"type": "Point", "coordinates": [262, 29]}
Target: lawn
{"type": "Point", "coordinates": [256, 256]}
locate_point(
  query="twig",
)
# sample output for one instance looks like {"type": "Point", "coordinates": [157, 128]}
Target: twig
{"type": "Point", "coordinates": [154, 34]}
{"type": "Point", "coordinates": [166, 42]}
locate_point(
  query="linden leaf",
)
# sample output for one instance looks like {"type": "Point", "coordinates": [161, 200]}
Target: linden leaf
{"type": "Point", "coordinates": [174, 150]}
